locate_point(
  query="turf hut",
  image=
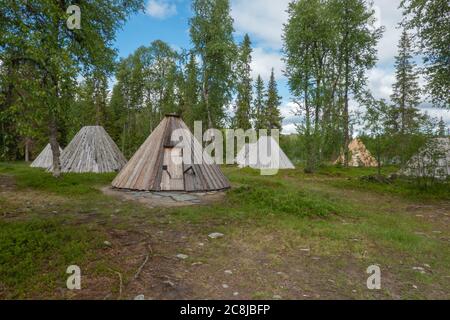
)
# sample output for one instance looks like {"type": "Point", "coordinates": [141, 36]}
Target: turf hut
{"type": "Point", "coordinates": [264, 154]}
{"type": "Point", "coordinates": [359, 155]}
{"type": "Point", "coordinates": [432, 161]}
{"type": "Point", "coordinates": [171, 159]}
{"type": "Point", "coordinates": [92, 150]}
{"type": "Point", "coordinates": [45, 158]}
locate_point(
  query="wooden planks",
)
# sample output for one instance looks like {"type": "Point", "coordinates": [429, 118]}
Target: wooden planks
{"type": "Point", "coordinates": [45, 158]}
{"type": "Point", "coordinates": [145, 169]}
{"type": "Point", "coordinates": [92, 150]}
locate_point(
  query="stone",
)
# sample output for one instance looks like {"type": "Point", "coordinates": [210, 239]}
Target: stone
{"type": "Point", "coordinates": [277, 297]}
{"type": "Point", "coordinates": [169, 283]}
{"type": "Point", "coordinates": [235, 294]}
{"type": "Point", "coordinates": [420, 269]}
{"type": "Point", "coordinates": [215, 235]}
{"type": "Point", "coordinates": [225, 286]}
{"type": "Point", "coordinates": [414, 286]}
{"type": "Point", "coordinates": [183, 197]}
{"type": "Point", "coordinates": [107, 243]}
{"type": "Point", "coordinates": [139, 297]}
{"type": "Point", "coordinates": [228, 272]}
{"type": "Point", "coordinates": [182, 256]}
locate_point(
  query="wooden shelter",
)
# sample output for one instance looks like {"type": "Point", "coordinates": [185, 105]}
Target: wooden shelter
{"type": "Point", "coordinates": [359, 155]}
{"type": "Point", "coordinates": [165, 164]}
{"type": "Point", "coordinates": [432, 161]}
{"type": "Point", "coordinates": [45, 158]}
{"type": "Point", "coordinates": [92, 150]}
{"type": "Point", "coordinates": [264, 154]}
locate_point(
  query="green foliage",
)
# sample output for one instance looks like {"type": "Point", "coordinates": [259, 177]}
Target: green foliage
{"type": "Point", "coordinates": [430, 21]}
{"type": "Point", "coordinates": [38, 251]}
{"type": "Point", "coordinates": [259, 104]}
{"type": "Point", "coordinates": [147, 82]}
{"type": "Point", "coordinates": [406, 91]}
{"type": "Point", "coordinates": [70, 184]}
{"type": "Point", "coordinates": [244, 86]}
{"type": "Point", "coordinates": [328, 46]}
{"type": "Point", "coordinates": [272, 117]}
{"type": "Point", "coordinates": [211, 30]}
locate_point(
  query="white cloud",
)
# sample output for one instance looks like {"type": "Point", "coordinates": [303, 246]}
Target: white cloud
{"type": "Point", "coordinates": [263, 61]}
{"type": "Point", "coordinates": [380, 83]}
{"type": "Point", "coordinates": [263, 19]}
{"type": "Point", "coordinates": [161, 9]}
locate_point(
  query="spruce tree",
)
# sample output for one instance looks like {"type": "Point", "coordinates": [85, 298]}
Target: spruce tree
{"type": "Point", "coordinates": [272, 112]}
{"type": "Point", "coordinates": [441, 128]}
{"type": "Point", "coordinates": [406, 96]}
{"type": "Point", "coordinates": [244, 86]}
{"type": "Point", "coordinates": [259, 104]}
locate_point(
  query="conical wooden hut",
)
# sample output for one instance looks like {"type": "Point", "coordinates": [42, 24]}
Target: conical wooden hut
{"type": "Point", "coordinates": [266, 153]}
{"type": "Point", "coordinates": [163, 164]}
{"type": "Point", "coordinates": [45, 158]}
{"type": "Point", "coordinates": [359, 155]}
{"type": "Point", "coordinates": [92, 150]}
{"type": "Point", "coordinates": [432, 161]}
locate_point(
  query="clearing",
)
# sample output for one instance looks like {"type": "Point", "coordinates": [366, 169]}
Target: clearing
{"type": "Point", "coordinates": [290, 236]}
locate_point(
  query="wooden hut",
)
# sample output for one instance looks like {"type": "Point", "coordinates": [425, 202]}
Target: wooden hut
{"type": "Point", "coordinates": [45, 158]}
{"type": "Point", "coordinates": [164, 163]}
{"type": "Point", "coordinates": [92, 150]}
{"type": "Point", "coordinates": [359, 155]}
{"type": "Point", "coordinates": [266, 153]}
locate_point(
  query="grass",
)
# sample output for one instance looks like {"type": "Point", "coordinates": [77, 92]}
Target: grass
{"type": "Point", "coordinates": [35, 253]}
{"type": "Point", "coordinates": [348, 222]}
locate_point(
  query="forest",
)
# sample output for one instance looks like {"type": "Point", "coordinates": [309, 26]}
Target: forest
{"type": "Point", "coordinates": [365, 184]}
{"type": "Point", "coordinates": [54, 80]}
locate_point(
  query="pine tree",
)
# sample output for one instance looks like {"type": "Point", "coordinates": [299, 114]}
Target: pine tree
{"type": "Point", "coordinates": [441, 128]}
{"type": "Point", "coordinates": [244, 86]}
{"type": "Point", "coordinates": [272, 112]}
{"type": "Point", "coordinates": [406, 96]}
{"type": "Point", "coordinates": [259, 104]}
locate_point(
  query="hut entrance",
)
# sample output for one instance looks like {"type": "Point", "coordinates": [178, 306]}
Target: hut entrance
{"type": "Point", "coordinates": [172, 175]}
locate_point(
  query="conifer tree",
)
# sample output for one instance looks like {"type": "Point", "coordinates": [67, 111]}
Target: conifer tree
{"type": "Point", "coordinates": [272, 113]}
{"type": "Point", "coordinates": [244, 86]}
{"type": "Point", "coordinates": [406, 96]}
{"type": "Point", "coordinates": [259, 104]}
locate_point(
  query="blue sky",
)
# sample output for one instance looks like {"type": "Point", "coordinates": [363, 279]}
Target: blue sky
{"type": "Point", "coordinates": [168, 20]}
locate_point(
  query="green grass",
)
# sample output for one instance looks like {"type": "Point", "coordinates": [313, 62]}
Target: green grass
{"type": "Point", "coordinates": [302, 210]}
{"type": "Point", "coordinates": [34, 254]}
{"type": "Point", "coordinates": [70, 184]}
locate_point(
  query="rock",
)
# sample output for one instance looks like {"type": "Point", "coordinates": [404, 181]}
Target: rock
{"type": "Point", "coordinates": [107, 243]}
{"type": "Point", "coordinates": [420, 269]}
{"type": "Point", "coordinates": [305, 250]}
{"type": "Point", "coordinates": [182, 256]}
{"type": "Point", "coordinates": [277, 297]}
{"type": "Point", "coordinates": [215, 235]}
{"type": "Point", "coordinates": [197, 263]}
{"type": "Point", "coordinates": [414, 286]}
{"type": "Point", "coordinates": [169, 283]}
{"type": "Point", "coordinates": [225, 286]}
{"type": "Point", "coordinates": [426, 266]}
{"type": "Point", "coordinates": [139, 297]}
{"type": "Point", "coordinates": [235, 294]}
{"type": "Point", "coordinates": [201, 244]}
{"type": "Point", "coordinates": [228, 272]}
